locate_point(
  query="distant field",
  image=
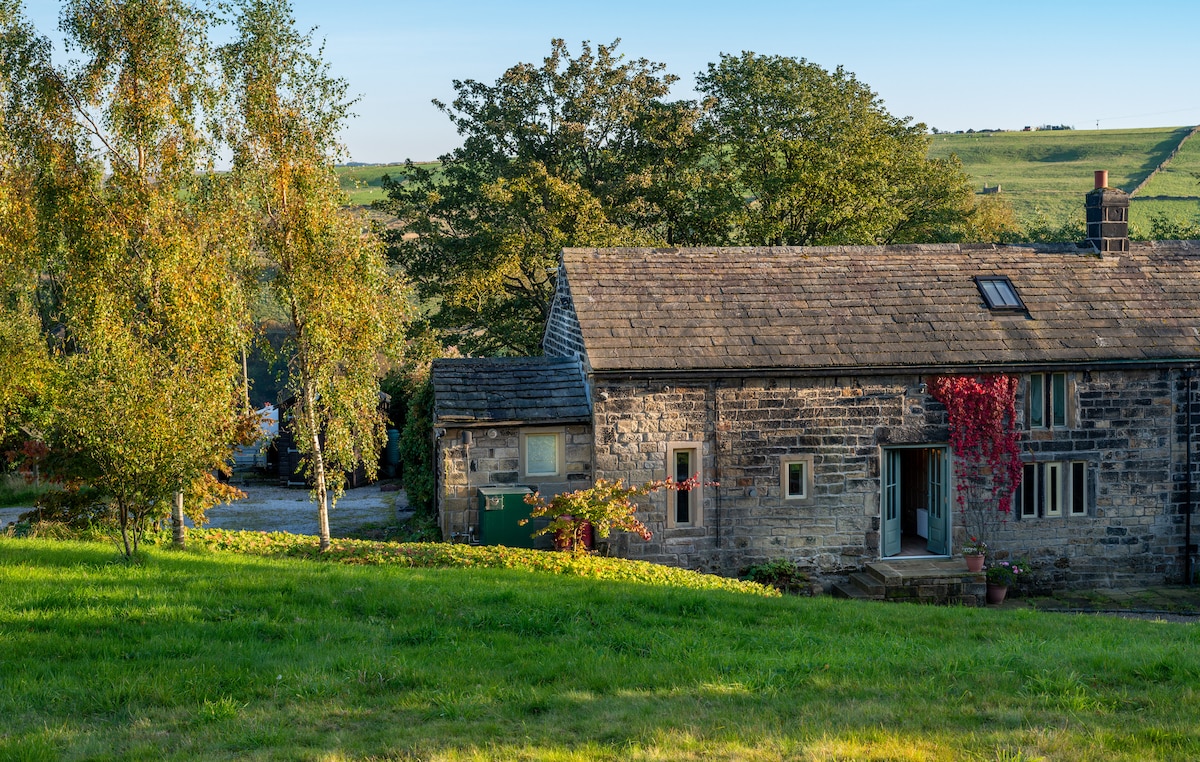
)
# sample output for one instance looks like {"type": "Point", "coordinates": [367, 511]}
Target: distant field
{"type": "Point", "coordinates": [1181, 177]}
{"type": "Point", "coordinates": [364, 184]}
{"type": "Point", "coordinates": [1047, 173]}
{"type": "Point", "coordinates": [1044, 174]}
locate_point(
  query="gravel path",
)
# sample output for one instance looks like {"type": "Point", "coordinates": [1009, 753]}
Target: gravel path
{"type": "Point", "coordinates": [283, 509]}
{"type": "Point", "coordinates": [292, 509]}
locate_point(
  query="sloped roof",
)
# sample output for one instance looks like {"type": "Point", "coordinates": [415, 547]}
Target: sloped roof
{"type": "Point", "coordinates": [889, 307]}
{"type": "Point", "coordinates": [508, 390]}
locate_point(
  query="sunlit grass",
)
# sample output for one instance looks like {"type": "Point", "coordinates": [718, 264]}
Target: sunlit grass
{"type": "Point", "coordinates": [212, 655]}
{"type": "Point", "coordinates": [1045, 175]}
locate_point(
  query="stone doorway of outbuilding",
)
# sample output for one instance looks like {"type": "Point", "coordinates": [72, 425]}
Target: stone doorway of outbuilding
{"type": "Point", "coordinates": [914, 503]}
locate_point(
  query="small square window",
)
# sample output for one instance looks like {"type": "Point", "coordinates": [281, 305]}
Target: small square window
{"type": "Point", "coordinates": [1000, 294]}
{"type": "Point", "coordinates": [542, 453]}
{"type": "Point", "coordinates": [795, 475]}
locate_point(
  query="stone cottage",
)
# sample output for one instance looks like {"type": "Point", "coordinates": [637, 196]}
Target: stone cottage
{"type": "Point", "coordinates": [796, 379]}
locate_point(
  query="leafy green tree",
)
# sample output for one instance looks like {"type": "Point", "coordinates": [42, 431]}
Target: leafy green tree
{"type": "Point", "coordinates": [577, 151]}
{"type": "Point", "coordinates": [24, 363]}
{"type": "Point", "coordinates": [343, 304]}
{"type": "Point", "coordinates": [136, 300]}
{"type": "Point", "coordinates": [820, 161]}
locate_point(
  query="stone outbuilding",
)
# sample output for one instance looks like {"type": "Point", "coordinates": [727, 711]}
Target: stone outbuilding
{"type": "Point", "coordinates": [507, 422]}
{"type": "Point", "coordinates": [796, 378]}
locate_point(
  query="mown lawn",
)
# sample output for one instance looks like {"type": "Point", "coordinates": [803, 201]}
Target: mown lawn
{"type": "Point", "coordinates": [212, 655]}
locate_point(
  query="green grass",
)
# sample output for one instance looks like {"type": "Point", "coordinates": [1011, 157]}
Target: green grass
{"type": "Point", "coordinates": [16, 491]}
{"type": "Point", "coordinates": [1046, 174]}
{"type": "Point", "coordinates": [364, 184]}
{"type": "Point", "coordinates": [1181, 177]}
{"type": "Point", "coordinates": [203, 655]}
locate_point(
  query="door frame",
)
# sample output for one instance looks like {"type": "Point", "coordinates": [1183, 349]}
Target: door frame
{"type": "Point", "coordinates": [891, 494]}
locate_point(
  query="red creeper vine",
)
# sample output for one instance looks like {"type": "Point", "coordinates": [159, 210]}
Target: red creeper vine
{"type": "Point", "coordinates": [983, 434]}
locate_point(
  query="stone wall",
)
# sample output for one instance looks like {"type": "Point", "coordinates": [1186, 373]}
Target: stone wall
{"type": "Point", "coordinates": [493, 458]}
{"type": "Point", "coordinates": [1124, 425]}
{"type": "Point", "coordinates": [1127, 427]}
{"type": "Point", "coordinates": [746, 428]}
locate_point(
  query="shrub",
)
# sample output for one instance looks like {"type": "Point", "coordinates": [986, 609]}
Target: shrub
{"type": "Point", "coordinates": [781, 574]}
{"type": "Point", "coordinates": [447, 555]}
{"type": "Point", "coordinates": [75, 508]}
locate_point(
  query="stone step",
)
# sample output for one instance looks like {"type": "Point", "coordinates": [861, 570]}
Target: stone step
{"type": "Point", "coordinates": [849, 590]}
{"type": "Point", "coordinates": [868, 584]}
{"type": "Point", "coordinates": [908, 570]}
{"type": "Point", "coordinates": [920, 580]}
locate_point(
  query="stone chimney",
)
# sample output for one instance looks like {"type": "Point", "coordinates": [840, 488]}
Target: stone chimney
{"type": "Point", "coordinates": [1107, 216]}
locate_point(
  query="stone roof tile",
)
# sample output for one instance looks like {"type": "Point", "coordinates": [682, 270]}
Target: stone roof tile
{"type": "Point", "coordinates": [508, 390]}
{"type": "Point", "coordinates": [885, 307]}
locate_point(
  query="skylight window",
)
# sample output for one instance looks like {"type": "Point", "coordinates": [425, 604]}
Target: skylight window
{"type": "Point", "coordinates": [1000, 294]}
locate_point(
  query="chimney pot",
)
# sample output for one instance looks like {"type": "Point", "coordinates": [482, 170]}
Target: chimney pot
{"type": "Point", "coordinates": [1107, 216]}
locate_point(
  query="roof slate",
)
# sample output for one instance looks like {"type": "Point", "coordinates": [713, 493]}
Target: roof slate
{"type": "Point", "coordinates": [508, 390]}
{"type": "Point", "coordinates": [911, 306]}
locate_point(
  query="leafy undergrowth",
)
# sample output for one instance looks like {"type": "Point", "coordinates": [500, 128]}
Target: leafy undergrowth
{"type": "Point", "coordinates": [446, 555]}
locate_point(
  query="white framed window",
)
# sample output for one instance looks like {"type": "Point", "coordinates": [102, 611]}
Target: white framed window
{"type": "Point", "coordinates": [795, 477]}
{"type": "Point", "coordinates": [1046, 401]}
{"type": "Point", "coordinates": [543, 453]}
{"type": "Point", "coordinates": [1053, 489]}
{"type": "Point", "coordinates": [685, 507]}
{"type": "Point", "coordinates": [1079, 488]}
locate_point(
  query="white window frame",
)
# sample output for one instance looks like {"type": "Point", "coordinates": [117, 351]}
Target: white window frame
{"type": "Point", "coordinates": [559, 453]}
{"type": "Point", "coordinates": [1082, 491]}
{"type": "Point", "coordinates": [1042, 404]}
{"type": "Point", "coordinates": [1053, 489]}
{"type": "Point", "coordinates": [805, 462]}
{"type": "Point", "coordinates": [695, 497]}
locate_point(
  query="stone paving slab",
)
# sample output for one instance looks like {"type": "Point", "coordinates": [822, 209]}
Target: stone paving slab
{"type": "Point", "coordinates": [1172, 602]}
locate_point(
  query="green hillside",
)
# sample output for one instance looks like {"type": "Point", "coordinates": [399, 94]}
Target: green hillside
{"type": "Point", "coordinates": [1046, 173]}
{"type": "Point", "coordinates": [1043, 174]}
{"type": "Point", "coordinates": [364, 183]}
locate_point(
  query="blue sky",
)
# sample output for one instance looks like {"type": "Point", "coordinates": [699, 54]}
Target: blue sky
{"type": "Point", "coordinates": [953, 65]}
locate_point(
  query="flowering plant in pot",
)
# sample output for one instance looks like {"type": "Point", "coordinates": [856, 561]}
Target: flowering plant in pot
{"type": "Point", "coordinates": [973, 551]}
{"type": "Point", "coordinates": [1006, 573]}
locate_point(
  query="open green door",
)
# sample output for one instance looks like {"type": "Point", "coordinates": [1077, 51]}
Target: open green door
{"type": "Point", "coordinates": [938, 510]}
{"type": "Point", "coordinates": [891, 503]}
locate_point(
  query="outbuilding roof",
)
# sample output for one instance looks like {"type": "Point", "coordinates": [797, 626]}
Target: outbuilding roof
{"type": "Point", "coordinates": [883, 307]}
{"type": "Point", "coordinates": [495, 390]}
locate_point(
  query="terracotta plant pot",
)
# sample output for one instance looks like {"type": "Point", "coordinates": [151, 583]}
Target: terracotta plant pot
{"type": "Point", "coordinates": [974, 562]}
{"type": "Point", "coordinates": [996, 593]}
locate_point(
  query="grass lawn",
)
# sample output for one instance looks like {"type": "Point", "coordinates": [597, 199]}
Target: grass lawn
{"type": "Point", "coordinates": [211, 655]}
{"type": "Point", "coordinates": [16, 491]}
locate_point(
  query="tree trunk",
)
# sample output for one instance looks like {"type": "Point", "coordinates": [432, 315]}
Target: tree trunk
{"type": "Point", "coordinates": [318, 467]}
{"type": "Point", "coordinates": [180, 536]}
{"type": "Point", "coordinates": [123, 512]}
{"type": "Point", "coordinates": [245, 382]}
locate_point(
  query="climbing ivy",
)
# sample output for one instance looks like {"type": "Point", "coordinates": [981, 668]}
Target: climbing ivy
{"type": "Point", "coordinates": [982, 412]}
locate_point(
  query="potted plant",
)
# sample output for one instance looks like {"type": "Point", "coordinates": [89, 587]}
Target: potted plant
{"type": "Point", "coordinates": [973, 552]}
{"type": "Point", "coordinates": [1001, 575]}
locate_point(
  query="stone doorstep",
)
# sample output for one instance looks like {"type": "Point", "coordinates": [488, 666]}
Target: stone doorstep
{"type": "Point", "coordinates": [919, 580]}
{"type": "Point", "coordinates": [922, 571]}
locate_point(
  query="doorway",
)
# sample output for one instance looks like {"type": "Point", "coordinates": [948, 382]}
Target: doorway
{"type": "Point", "coordinates": [914, 502]}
